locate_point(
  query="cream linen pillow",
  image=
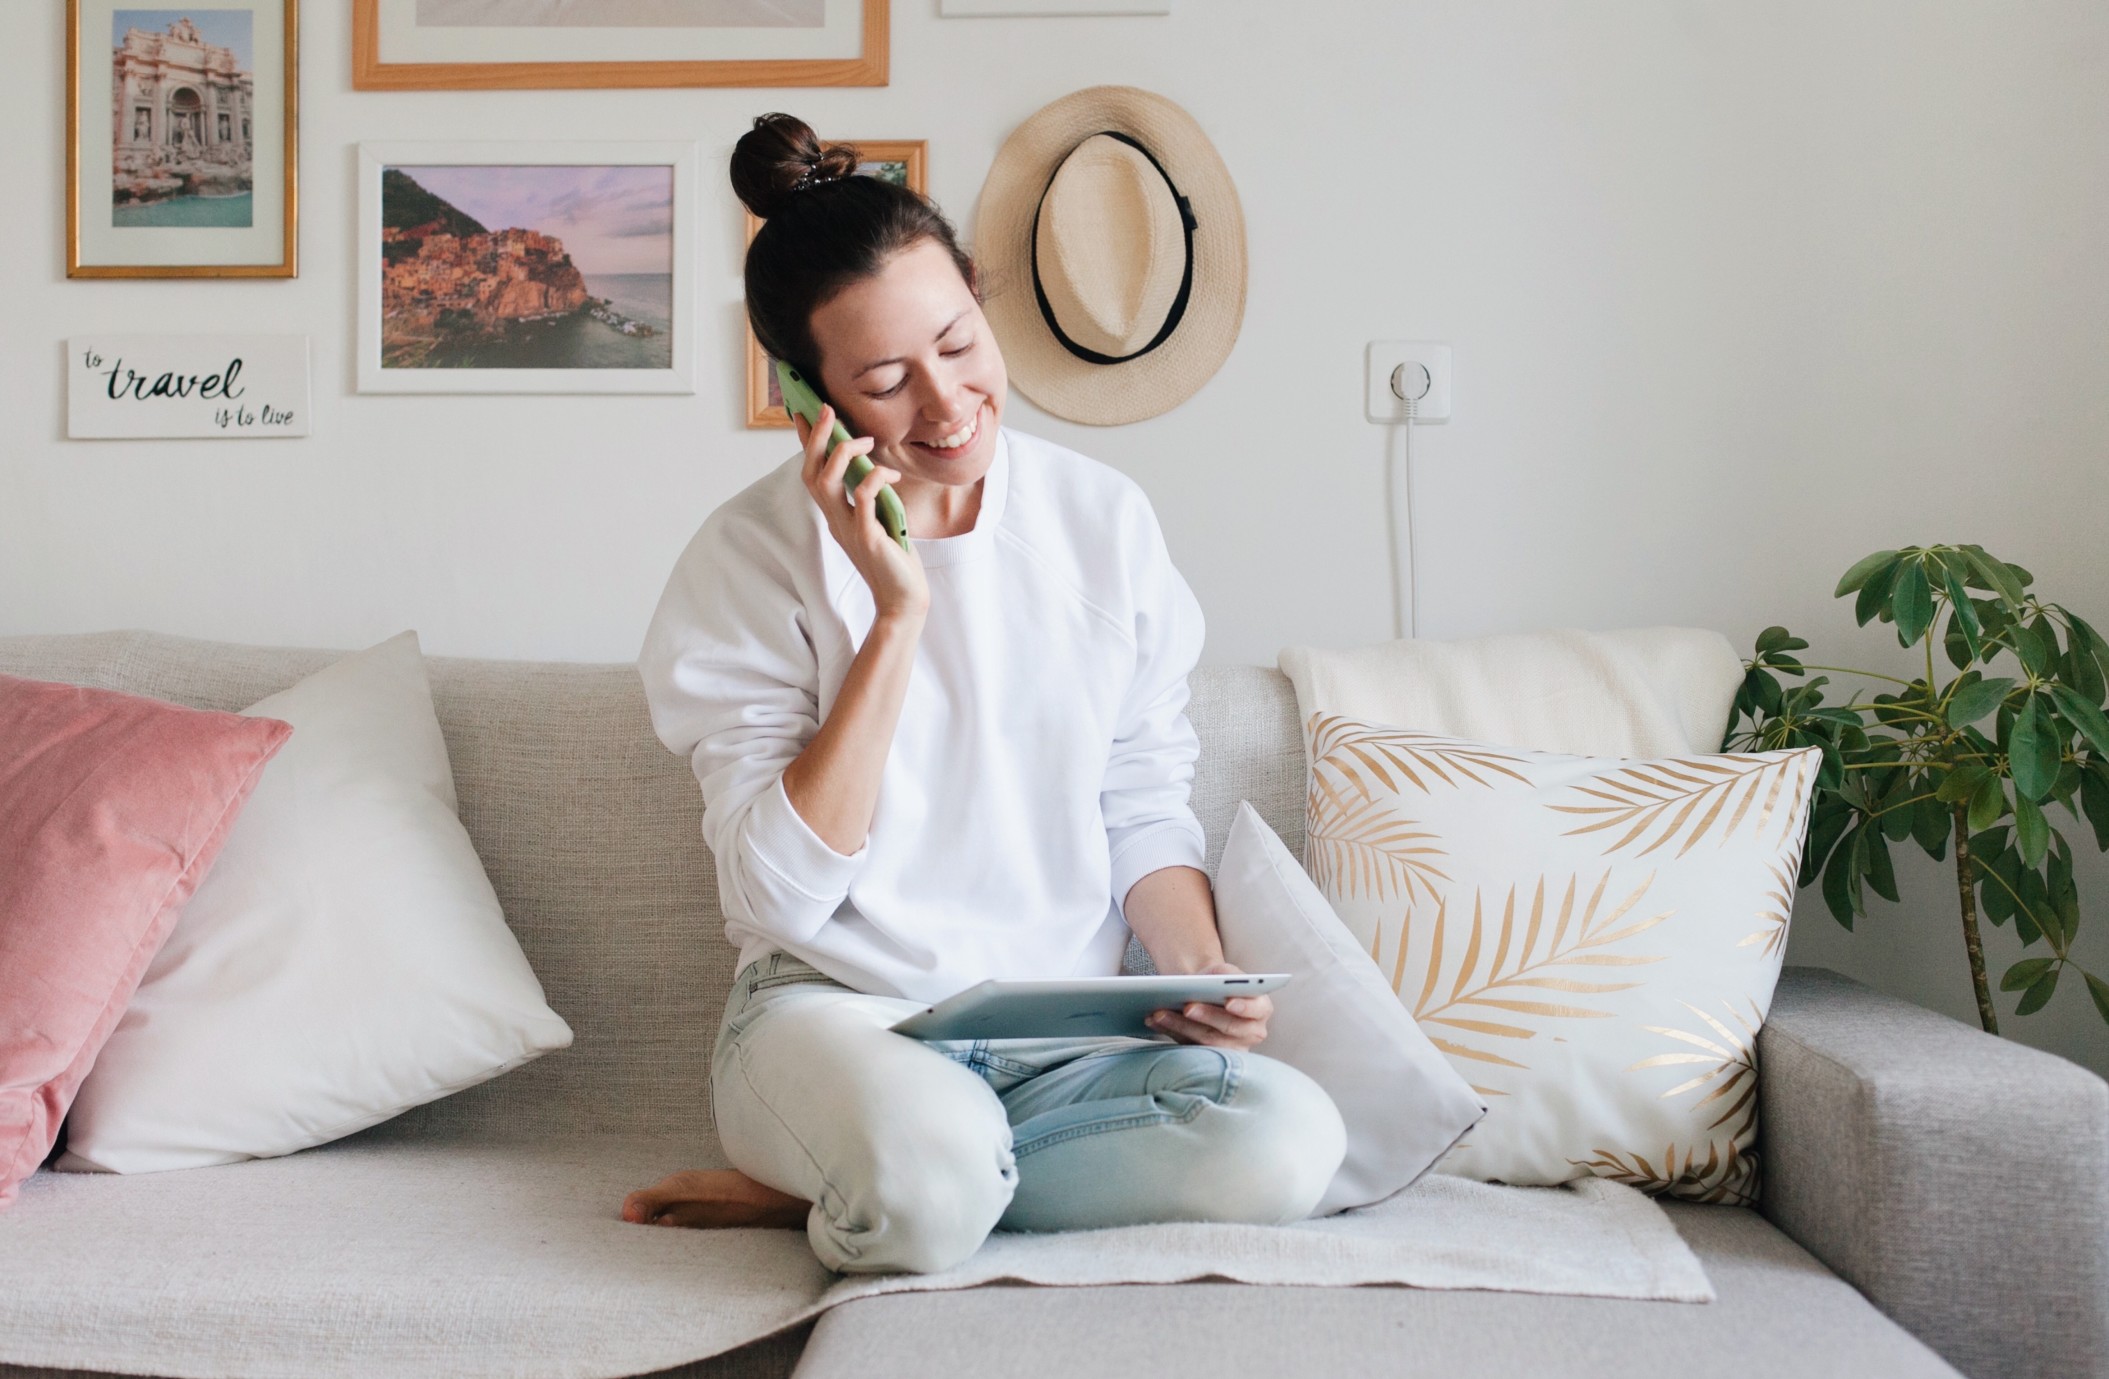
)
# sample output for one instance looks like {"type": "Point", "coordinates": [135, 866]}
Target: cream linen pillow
{"type": "Point", "coordinates": [1337, 1021]}
{"type": "Point", "coordinates": [1593, 942]}
{"type": "Point", "coordinates": [345, 959]}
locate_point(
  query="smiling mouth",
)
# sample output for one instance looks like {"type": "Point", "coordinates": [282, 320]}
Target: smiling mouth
{"type": "Point", "coordinates": [959, 439]}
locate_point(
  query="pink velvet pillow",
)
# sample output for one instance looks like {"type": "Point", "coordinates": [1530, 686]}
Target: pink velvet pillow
{"type": "Point", "coordinates": [112, 809]}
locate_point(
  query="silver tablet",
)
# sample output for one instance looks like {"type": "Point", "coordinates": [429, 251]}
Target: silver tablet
{"type": "Point", "coordinates": [1076, 1005]}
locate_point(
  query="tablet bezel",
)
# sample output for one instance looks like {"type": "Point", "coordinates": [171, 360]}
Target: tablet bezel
{"type": "Point", "coordinates": [1030, 999]}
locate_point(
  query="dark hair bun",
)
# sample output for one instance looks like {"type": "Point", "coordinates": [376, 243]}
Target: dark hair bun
{"type": "Point", "coordinates": [779, 158]}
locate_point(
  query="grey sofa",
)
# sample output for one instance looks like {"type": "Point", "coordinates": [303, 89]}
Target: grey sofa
{"type": "Point", "coordinates": [1935, 1200]}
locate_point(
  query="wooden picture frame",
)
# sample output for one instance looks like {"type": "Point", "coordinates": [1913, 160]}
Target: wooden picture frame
{"type": "Point", "coordinates": [391, 52]}
{"type": "Point", "coordinates": [196, 172]}
{"type": "Point", "coordinates": [490, 278]}
{"type": "Point", "coordinates": [765, 406]}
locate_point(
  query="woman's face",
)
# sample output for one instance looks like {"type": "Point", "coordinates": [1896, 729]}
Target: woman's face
{"type": "Point", "coordinates": [908, 359]}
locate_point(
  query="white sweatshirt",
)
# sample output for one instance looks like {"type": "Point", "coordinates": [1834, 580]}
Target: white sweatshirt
{"type": "Point", "coordinates": [1043, 758]}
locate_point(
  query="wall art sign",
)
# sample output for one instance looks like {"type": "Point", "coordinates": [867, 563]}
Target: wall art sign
{"type": "Point", "coordinates": [526, 267]}
{"type": "Point", "coordinates": [485, 44]}
{"type": "Point", "coordinates": [900, 161]}
{"type": "Point", "coordinates": [236, 387]}
{"type": "Point", "coordinates": [181, 139]}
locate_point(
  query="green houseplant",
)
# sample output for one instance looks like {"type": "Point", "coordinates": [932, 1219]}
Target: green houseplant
{"type": "Point", "coordinates": [1973, 763]}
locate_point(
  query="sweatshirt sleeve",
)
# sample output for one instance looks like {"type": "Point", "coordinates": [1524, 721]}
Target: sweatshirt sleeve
{"type": "Point", "coordinates": [731, 680]}
{"type": "Point", "coordinates": [1150, 770]}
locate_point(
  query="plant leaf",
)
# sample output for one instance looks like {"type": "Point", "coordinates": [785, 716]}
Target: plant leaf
{"type": "Point", "coordinates": [2033, 750]}
{"type": "Point", "coordinates": [1987, 803]}
{"type": "Point", "coordinates": [2094, 800]}
{"type": "Point", "coordinates": [1858, 575]}
{"type": "Point", "coordinates": [1880, 873]}
{"type": "Point", "coordinates": [1913, 603]}
{"type": "Point", "coordinates": [1961, 783]}
{"type": "Point", "coordinates": [2038, 994]}
{"type": "Point", "coordinates": [1840, 884]}
{"type": "Point", "coordinates": [2025, 972]}
{"type": "Point", "coordinates": [1974, 700]}
{"type": "Point", "coordinates": [2031, 830]}
{"type": "Point", "coordinates": [1930, 824]}
{"type": "Point", "coordinates": [2098, 989]}
{"type": "Point", "coordinates": [1874, 594]}
{"type": "Point", "coordinates": [2084, 716]}
{"type": "Point", "coordinates": [1965, 614]}
{"type": "Point", "coordinates": [1995, 575]}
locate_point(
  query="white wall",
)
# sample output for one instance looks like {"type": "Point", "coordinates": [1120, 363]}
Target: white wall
{"type": "Point", "coordinates": [1737, 294]}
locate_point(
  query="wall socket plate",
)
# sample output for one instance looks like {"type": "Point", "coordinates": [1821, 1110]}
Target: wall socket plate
{"type": "Point", "coordinates": [1385, 356]}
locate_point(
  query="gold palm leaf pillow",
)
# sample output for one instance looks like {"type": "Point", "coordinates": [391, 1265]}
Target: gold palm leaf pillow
{"type": "Point", "coordinates": [1593, 942]}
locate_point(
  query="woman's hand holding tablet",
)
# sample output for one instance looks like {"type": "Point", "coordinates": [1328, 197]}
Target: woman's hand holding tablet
{"type": "Point", "coordinates": [1239, 1023]}
{"type": "Point", "coordinates": [1101, 1006]}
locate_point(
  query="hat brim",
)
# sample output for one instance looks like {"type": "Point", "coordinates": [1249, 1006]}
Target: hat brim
{"type": "Point", "coordinates": [1038, 364]}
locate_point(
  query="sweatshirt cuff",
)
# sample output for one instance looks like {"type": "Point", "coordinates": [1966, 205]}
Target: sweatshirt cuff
{"type": "Point", "coordinates": [786, 844]}
{"type": "Point", "coordinates": [1172, 843]}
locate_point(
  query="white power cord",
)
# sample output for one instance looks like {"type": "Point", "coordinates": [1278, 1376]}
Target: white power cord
{"type": "Point", "coordinates": [1406, 606]}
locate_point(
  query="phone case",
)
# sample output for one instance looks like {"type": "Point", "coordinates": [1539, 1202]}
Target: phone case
{"type": "Point", "coordinates": [801, 400]}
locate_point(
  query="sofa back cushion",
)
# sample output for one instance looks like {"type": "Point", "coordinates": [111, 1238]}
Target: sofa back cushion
{"type": "Point", "coordinates": [591, 833]}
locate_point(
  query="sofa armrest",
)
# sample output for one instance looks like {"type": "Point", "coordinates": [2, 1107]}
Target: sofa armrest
{"type": "Point", "coordinates": [1959, 1180]}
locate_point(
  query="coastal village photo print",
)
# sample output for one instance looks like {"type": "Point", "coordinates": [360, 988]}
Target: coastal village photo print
{"type": "Point", "coordinates": [527, 266]}
{"type": "Point", "coordinates": [182, 142]}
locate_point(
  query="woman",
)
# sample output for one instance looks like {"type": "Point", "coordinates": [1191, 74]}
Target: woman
{"type": "Point", "coordinates": [923, 768]}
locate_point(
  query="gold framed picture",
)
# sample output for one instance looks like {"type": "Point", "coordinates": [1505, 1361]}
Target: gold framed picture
{"type": "Point", "coordinates": [182, 139]}
{"type": "Point", "coordinates": [899, 161]}
{"type": "Point", "coordinates": [403, 45]}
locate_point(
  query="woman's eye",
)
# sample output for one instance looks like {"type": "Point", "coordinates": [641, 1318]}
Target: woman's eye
{"type": "Point", "coordinates": [891, 391]}
{"type": "Point", "coordinates": [961, 350]}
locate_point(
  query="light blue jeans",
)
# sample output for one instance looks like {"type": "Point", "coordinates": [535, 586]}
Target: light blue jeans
{"type": "Point", "coordinates": [912, 1151]}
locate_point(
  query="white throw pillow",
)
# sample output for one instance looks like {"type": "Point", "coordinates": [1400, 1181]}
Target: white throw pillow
{"type": "Point", "coordinates": [1338, 1021]}
{"type": "Point", "coordinates": [345, 959]}
{"type": "Point", "coordinates": [1593, 942]}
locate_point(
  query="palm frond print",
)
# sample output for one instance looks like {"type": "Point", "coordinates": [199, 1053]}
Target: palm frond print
{"type": "Point", "coordinates": [1729, 1060]}
{"type": "Point", "coordinates": [1483, 1005]}
{"type": "Point", "coordinates": [1355, 842]}
{"type": "Point", "coordinates": [1775, 907]}
{"type": "Point", "coordinates": [1729, 1177]}
{"type": "Point", "coordinates": [1399, 757]}
{"type": "Point", "coordinates": [1655, 801]}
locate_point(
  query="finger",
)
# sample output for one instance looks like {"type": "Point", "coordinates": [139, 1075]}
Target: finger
{"type": "Point", "coordinates": [838, 460]}
{"type": "Point", "coordinates": [866, 496]}
{"type": "Point", "coordinates": [1178, 1026]}
{"type": "Point", "coordinates": [816, 434]}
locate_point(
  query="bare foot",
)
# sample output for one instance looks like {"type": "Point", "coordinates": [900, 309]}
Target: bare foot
{"type": "Point", "coordinates": [708, 1197]}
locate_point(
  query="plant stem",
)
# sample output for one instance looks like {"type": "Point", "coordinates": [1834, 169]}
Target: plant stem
{"type": "Point", "coordinates": [1968, 893]}
{"type": "Point", "coordinates": [1848, 670]}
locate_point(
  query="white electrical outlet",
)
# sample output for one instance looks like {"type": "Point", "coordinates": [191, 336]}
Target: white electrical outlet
{"type": "Point", "coordinates": [1404, 360]}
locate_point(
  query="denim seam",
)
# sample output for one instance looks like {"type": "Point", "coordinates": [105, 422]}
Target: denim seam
{"type": "Point", "coordinates": [739, 1054]}
{"type": "Point", "coordinates": [1231, 1084]}
{"type": "Point", "coordinates": [1101, 1127]}
{"type": "Point", "coordinates": [786, 979]}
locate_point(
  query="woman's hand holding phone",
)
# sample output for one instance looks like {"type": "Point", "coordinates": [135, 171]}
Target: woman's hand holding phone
{"type": "Point", "coordinates": [898, 585]}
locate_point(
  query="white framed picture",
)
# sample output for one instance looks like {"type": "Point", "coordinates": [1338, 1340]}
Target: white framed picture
{"type": "Point", "coordinates": [527, 267]}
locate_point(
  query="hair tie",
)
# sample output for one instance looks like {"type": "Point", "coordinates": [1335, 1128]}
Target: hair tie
{"type": "Point", "coordinates": [814, 178]}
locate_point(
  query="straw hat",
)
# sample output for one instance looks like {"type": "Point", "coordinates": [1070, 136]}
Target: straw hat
{"type": "Point", "coordinates": [1112, 250]}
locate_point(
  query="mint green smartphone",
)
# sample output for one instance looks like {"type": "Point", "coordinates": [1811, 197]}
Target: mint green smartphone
{"type": "Point", "coordinates": [801, 400]}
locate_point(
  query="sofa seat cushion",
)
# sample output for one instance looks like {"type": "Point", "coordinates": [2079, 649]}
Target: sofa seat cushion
{"type": "Point", "coordinates": [1779, 1311]}
{"type": "Point", "coordinates": [376, 1257]}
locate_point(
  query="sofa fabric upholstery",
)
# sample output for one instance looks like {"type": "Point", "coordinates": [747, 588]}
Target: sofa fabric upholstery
{"type": "Point", "coordinates": [1958, 1179]}
{"type": "Point", "coordinates": [1779, 1312]}
{"type": "Point", "coordinates": [590, 832]}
